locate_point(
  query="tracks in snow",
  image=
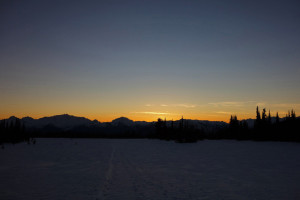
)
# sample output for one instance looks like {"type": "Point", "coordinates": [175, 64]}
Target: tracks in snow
{"type": "Point", "coordinates": [126, 179]}
{"type": "Point", "coordinates": [105, 189]}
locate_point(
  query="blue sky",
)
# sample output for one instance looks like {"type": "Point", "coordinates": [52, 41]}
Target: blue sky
{"type": "Point", "coordinates": [103, 59]}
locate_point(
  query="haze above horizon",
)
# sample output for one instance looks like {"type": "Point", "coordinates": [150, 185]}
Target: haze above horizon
{"type": "Point", "coordinates": [146, 59]}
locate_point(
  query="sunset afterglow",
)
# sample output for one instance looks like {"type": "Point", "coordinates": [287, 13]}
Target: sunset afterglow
{"type": "Point", "coordinates": [145, 60]}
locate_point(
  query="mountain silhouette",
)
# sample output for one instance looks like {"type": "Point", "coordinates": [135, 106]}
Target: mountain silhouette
{"type": "Point", "coordinates": [124, 121]}
{"type": "Point", "coordinates": [64, 121]}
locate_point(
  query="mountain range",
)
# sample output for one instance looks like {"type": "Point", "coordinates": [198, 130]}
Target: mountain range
{"type": "Point", "coordinates": [67, 122]}
{"type": "Point", "coordinates": [68, 125]}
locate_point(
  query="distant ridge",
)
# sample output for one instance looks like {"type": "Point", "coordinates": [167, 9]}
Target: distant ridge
{"type": "Point", "coordinates": [123, 121]}
{"type": "Point", "coordinates": [183, 130]}
{"type": "Point", "coordinates": [65, 122]}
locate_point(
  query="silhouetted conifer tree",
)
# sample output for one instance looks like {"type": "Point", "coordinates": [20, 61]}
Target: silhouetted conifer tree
{"type": "Point", "coordinates": [12, 131]}
{"type": "Point", "coordinates": [269, 118]}
{"type": "Point", "coordinates": [263, 115]}
{"type": "Point", "coordinates": [293, 115]}
{"type": "Point", "coordinates": [234, 128]}
{"type": "Point", "coordinates": [257, 114]}
{"type": "Point", "coordinates": [277, 118]}
{"type": "Point", "coordinates": [181, 123]}
{"type": "Point", "coordinates": [159, 126]}
{"type": "Point", "coordinates": [257, 123]}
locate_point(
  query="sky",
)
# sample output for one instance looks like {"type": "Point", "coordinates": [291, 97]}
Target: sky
{"type": "Point", "coordinates": [143, 59]}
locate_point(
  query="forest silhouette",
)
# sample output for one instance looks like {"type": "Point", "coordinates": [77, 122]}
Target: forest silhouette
{"type": "Point", "coordinates": [285, 129]}
{"type": "Point", "coordinates": [266, 128]}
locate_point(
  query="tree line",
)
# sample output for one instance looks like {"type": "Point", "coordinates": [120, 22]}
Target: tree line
{"type": "Point", "coordinates": [182, 133]}
{"type": "Point", "coordinates": [13, 131]}
{"type": "Point", "coordinates": [265, 129]}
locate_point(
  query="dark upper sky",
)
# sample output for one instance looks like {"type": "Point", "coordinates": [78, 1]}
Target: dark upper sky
{"type": "Point", "coordinates": [143, 59]}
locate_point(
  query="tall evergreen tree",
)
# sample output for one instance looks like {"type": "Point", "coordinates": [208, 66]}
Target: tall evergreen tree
{"type": "Point", "coordinates": [263, 115]}
{"type": "Point", "coordinates": [234, 122]}
{"type": "Point", "coordinates": [277, 118]}
{"type": "Point", "coordinates": [181, 123]}
{"type": "Point", "coordinates": [258, 119]}
{"type": "Point", "coordinates": [293, 114]}
{"type": "Point", "coordinates": [269, 118]}
{"type": "Point", "coordinates": [257, 114]}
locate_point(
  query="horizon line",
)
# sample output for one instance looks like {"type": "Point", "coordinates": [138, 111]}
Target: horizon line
{"type": "Point", "coordinates": [123, 117]}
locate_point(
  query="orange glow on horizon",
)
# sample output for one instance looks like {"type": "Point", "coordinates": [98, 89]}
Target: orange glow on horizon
{"type": "Point", "coordinates": [143, 112]}
{"type": "Point", "coordinates": [145, 117]}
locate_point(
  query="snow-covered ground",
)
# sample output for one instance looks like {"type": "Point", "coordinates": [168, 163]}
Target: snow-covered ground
{"type": "Point", "coordinates": [149, 169]}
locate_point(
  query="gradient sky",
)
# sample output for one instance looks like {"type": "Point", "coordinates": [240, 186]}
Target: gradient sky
{"type": "Point", "coordinates": [149, 59]}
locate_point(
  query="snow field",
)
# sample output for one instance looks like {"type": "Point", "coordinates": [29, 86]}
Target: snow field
{"type": "Point", "coordinates": [112, 169]}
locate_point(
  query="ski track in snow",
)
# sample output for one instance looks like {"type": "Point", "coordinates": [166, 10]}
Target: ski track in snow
{"type": "Point", "coordinates": [105, 190]}
{"type": "Point", "coordinates": [122, 170]}
{"type": "Point", "coordinates": [149, 169]}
